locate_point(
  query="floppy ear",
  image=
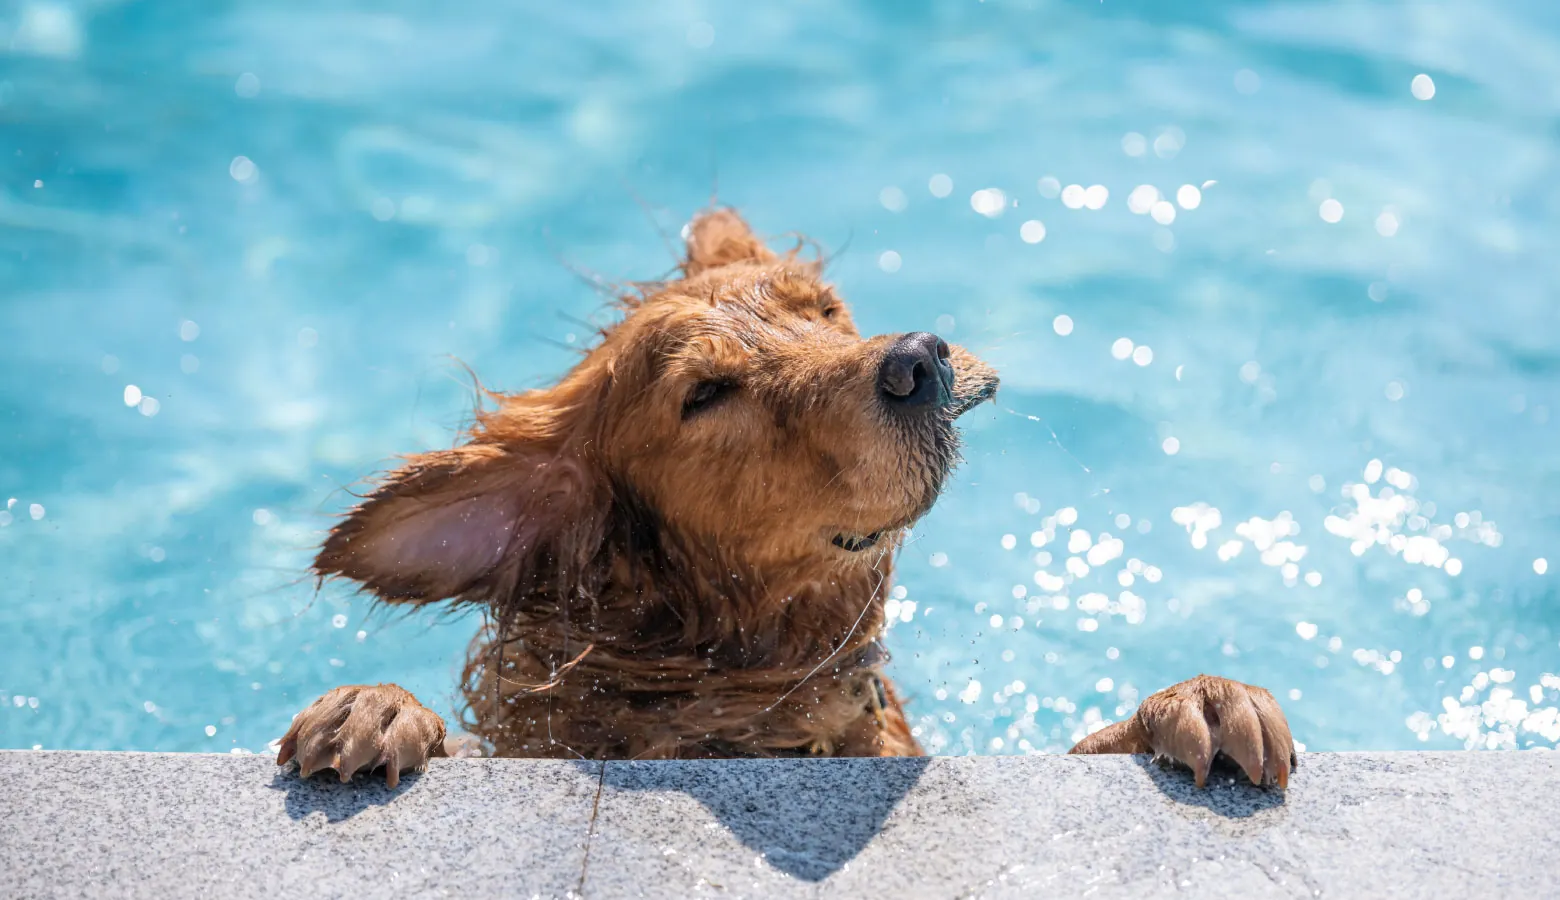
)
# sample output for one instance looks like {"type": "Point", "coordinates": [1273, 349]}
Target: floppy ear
{"type": "Point", "coordinates": [719, 238]}
{"type": "Point", "coordinates": [473, 523]}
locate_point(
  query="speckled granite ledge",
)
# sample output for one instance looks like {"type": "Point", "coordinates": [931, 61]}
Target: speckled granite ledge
{"type": "Point", "coordinates": [166, 825]}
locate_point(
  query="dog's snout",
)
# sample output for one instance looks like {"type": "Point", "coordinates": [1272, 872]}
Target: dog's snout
{"type": "Point", "coordinates": [916, 373]}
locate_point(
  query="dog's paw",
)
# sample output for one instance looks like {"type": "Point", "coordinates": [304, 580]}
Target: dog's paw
{"type": "Point", "coordinates": [363, 727]}
{"type": "Point", "coordinates": [1196, 720]}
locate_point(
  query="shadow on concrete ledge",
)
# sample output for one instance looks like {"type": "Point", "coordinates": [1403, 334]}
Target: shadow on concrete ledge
{"type": "Point", "coordinates": [324, 793]}
{"type": "Point", "coordinates": [806, 820]}
{"type": "Point", "coordinates": [1229, 794]}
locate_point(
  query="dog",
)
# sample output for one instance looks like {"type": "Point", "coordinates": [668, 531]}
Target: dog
{"type": "Point", "coordinates": [682, 549]}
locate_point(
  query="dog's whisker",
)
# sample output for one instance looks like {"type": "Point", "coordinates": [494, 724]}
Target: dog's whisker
{"type": "Point", "coordinates": [654, 221]}
{"type": "Point", "coordinates": [1055, 439]}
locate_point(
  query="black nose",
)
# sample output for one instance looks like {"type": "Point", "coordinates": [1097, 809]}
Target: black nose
{"type": "Point", "coordinates": [916, 372]}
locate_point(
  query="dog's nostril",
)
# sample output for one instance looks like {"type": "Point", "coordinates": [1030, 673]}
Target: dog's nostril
{"type": "Point", "coordinates": [916, 372]}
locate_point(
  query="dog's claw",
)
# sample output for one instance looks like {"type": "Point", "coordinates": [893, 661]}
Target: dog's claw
{"type": "Point", "coordinates": [391, 761]}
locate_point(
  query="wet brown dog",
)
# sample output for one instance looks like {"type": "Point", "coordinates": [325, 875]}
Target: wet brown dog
{"type": "Point", "coordinates": [683, 547]}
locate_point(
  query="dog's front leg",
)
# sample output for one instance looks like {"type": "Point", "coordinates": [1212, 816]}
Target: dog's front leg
{"type": "Point", "coordinates": [1196, 720]}
{"type": "Point", "coordinates": [363, 727]}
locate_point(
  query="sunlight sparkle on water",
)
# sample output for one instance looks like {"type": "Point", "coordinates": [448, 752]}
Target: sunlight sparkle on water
{"type": "Point", "coordinates": [989, 202]}
{"type": "Point", "coordinates": [893, 199]}
{"type": "Point", "coordinates": [1142, 199]}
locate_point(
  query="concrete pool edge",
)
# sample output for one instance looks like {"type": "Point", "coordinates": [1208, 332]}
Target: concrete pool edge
{"type": "Point", "coordinates": [171, 825]}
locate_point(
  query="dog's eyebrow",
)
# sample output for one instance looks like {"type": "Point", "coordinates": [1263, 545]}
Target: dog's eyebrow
{"type": "Point", "coordinates": [721, 333]}
{"type": "Point", "coordinates": [793, 293]}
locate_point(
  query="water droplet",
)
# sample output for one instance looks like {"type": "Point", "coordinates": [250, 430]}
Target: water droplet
{"type": "Point", "coordinates": [247, 86]}
{"type": "Point", "coordinates": [243, 170]}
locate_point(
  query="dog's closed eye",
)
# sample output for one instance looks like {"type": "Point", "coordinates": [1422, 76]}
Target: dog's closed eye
{"type": "Point", "coordinates": [706, 394]}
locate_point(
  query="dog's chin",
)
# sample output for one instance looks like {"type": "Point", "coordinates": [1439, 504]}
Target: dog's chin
{"type": "Point", "coordinates": [853, 541]}
{"type": "Point", "coordinates": [923, 484]}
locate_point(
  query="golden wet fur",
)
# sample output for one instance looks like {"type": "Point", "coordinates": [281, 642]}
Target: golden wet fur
{"type": "Point", "coordinates": [683, 547]}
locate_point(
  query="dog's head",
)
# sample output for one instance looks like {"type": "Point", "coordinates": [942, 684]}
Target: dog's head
{"type": "Point", "coordinates": [736, 408]}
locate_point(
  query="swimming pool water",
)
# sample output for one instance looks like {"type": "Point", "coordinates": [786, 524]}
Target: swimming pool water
{"type": "Point", "coordinates": [1267, 283]}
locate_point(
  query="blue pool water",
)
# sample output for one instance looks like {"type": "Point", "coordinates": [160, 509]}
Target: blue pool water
{"type": "Point", "coordinates": [1301, 434]}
